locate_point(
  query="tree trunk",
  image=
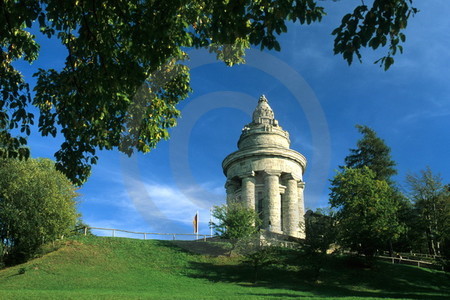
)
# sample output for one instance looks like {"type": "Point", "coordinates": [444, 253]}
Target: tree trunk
{"type": "Point", "coordinates": [431, 245]}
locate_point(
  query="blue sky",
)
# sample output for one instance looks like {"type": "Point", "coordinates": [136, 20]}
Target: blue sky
{"type": "Point", "coordinates": [315, 95]}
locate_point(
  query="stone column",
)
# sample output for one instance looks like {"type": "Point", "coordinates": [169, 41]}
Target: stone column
{"type": "Point", "coordinates": [272, 197]}
{"type": "Point", "coordinates": [248, 190]}
{"type": "Point", "coordinates": [292, 212]}
{"type": "Point", "coordinates": [284, 213]}
{"type": "Point", "coordinates": [301, 208]}
{"type": "Point", "coordinates": [230, 187]}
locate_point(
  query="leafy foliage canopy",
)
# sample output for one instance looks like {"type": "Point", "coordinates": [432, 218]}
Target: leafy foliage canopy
{"type": "Point", "coordinates": [37, 206]}
{"type": "Point", "coordinates": [366, 214]}
{"type": "Point", "coordinates": [373, 153]}
{"type": "Point", "coordinates": [124, 72]}
{"type": "Point", "coordinates": [431, 199]}
{"type": "Point", "coordinates": [235, 221]}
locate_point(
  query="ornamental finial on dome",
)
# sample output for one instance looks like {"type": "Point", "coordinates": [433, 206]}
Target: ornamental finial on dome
{"type": "Point", "coordinates": [263, 111]}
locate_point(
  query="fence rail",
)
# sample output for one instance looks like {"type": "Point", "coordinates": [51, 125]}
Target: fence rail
{"type": "Point", "coordinates": [406, 261]}
{"type": "Point", "coordinates": [146, 235]}
{"type": "Point", "coordinates": [416, 255]}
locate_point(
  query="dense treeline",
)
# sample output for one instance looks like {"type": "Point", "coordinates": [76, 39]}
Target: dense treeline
{"type": "Point", "coordinates": [373, 213]}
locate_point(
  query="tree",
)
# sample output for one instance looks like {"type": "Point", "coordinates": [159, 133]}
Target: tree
{"type": "Point", "coordinates": [258, 256]}
{"type": "Point", "coordinates": [124, 71]}
{"type": "Point", "coordinates": [373, 153]}
{"type": "Point", "coordinates": [432, 204]}
{"type": "Point", "coordinates": [366, 214]}
{"type": "Point", "coordinates": [320, 229]}
{"type": "Point", "coordinates": [37, 206]}
{"type": "Point", "coordinates": [235, 221]}
{"type": "Point", "coordinates": [412, 238]}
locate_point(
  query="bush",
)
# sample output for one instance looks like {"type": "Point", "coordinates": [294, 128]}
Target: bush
{"type": "Point", "coordinates": [37, 206]}
{"type": "Point", "coordinates": [235, 221]}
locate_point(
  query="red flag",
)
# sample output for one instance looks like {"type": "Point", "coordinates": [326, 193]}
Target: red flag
{"type": "Point", "coordinates": [195, 223]}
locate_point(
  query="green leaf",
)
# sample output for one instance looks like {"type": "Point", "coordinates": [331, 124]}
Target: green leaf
{"type": "Point", "coordinates": [388, 62]}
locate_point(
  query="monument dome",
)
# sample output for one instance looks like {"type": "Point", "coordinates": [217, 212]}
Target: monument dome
{"type": "Point", "coordinates": [266, 175]}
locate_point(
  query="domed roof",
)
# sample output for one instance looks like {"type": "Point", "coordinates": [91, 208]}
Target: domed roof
{"type": "Point", "coordinates": [264, 130]}
{"type": "Point", "coordinates": [260, 140]}
{"type": "Point", "coordinates": [262, 111]}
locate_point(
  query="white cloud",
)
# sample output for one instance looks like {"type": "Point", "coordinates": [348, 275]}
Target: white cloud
{"type": "Point", "coordinates": [434, 108]}
{"type": "Point", "coordinates": [167, 209]}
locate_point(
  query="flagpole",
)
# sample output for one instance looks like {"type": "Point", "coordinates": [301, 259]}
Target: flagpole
{"type": "Point", "coordinates": [210, 221]}
{"type": "Point", "coordinates": [198, 219]}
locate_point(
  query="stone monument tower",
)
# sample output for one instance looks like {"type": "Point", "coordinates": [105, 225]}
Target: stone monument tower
{"type": "Point", "coordinates": [267, 176]}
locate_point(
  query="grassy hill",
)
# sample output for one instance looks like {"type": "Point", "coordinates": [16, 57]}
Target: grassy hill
{"type": "Point", "coordinates": [119, 268]}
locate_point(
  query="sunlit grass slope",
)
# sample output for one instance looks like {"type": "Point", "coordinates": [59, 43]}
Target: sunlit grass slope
{"type": "Point", "coordinates": [119, 268]}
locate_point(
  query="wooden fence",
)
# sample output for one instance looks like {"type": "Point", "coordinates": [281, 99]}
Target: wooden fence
{"type": "Point", "coordinates": [203, 237]}
{"type": "Point", "coordinates": [149, 235]}
{"type": "Point", "coordinates": [412, 255]}
{"type": "Point", "coordinates": [412, 262]}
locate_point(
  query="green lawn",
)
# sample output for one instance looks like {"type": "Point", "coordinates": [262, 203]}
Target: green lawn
{"type": "Point", "coordinates": [119, 268]}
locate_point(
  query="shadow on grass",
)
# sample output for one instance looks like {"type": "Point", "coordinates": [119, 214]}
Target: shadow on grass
{"type": "Point", "coordinates": [276, 295]}
{"type": "Point", "coordinates": [336, 277]}
{"type": "Point", "coordinates": [213, 249]}
{"type": "Point", "coordinates": [204, 248]}
{"type": "Point", "coordinates": [388, 280]}
{"type": "Point", "coordinates": [323, 276]}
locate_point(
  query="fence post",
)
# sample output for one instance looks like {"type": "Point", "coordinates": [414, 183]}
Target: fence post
{"type": "Point", "coordinates": [113, 232]}
{"type": "Point", "coordinates": [85, 230]}
{"type": "Point", "coordinates": [174, 237]}
{"type": "Point", "coordinates": [145, 236]}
